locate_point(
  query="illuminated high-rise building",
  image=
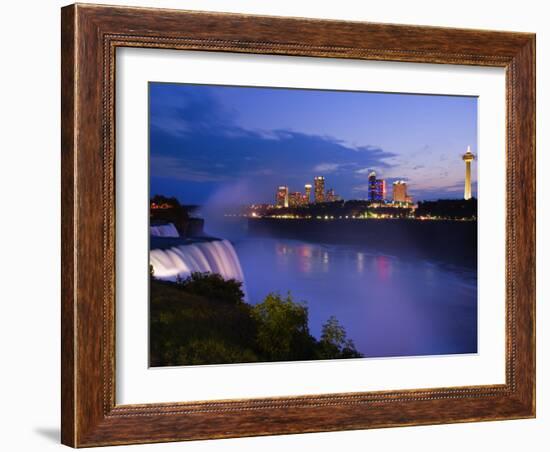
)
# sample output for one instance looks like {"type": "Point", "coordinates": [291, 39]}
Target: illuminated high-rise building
{"type": "Point", "coordinates": [376, 188]}
{"type": "Point", "coordinates": [371, 193]}
{"type": "Point", "coordinates": [307, 193]}
{"type": "Point", "coordinates": [295, 199]}
{"type": "Point", "coordinates": [400, 191]}
{"type": "Point", "coordinates": [381, 189]}
{"type": "Point", "coordinates": [468, 159]}
{"type": "Point", "coordinates": [330, 196]}
{"type": "Point", "coordinates": [319, 182]}
{"type": "Point", "coordinates": [282, 196]}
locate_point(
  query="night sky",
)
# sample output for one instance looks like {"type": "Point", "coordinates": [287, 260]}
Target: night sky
{"type": "Point", "coordinates": [237, 144]}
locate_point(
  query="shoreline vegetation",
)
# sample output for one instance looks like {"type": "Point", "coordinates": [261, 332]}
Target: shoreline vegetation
{"type": "Point", "coordinates": [356, 209]}
{"type": "Point", "coordinates": [204, 319]}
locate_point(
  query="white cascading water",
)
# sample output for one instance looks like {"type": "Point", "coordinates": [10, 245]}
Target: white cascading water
{"type": "Point", "coordinates": [215, 256]}
{"type": "Point", "coordinates": [164, 230]}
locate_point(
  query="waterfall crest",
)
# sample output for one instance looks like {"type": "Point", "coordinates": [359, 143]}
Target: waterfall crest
{"type": "Point", "coordinates": [164, 230]}
{"type": "Point", "coordinates": [216, 256]}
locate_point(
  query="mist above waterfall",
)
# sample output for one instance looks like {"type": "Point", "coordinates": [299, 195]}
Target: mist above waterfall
{"type": "Point", "coordinates": [226, 200]}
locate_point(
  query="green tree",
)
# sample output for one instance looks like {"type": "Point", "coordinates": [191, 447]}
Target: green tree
{"type": "Point", "coordinates": [334, 342]}
{"type": "Point", "coordinates": [283, 332]}
{"type": "Point", "coordinates": [213, 351]}
{"type": "Point", "coordinates": [213, 287]}
{"type": "Point", "coordinates": [160, 199]}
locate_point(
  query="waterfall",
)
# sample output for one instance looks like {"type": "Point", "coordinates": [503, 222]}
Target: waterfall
{"type": "Point", "coordinates": [164, 230]}
{"type": "Point", "coordinates": [216, 256]}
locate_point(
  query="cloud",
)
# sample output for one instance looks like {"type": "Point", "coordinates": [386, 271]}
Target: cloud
{"type": "Point", "coordinates": [364, 171]}
{"type": "Point", "coordinates": [180, 111]}
{"type": "Point", "coordinates": [326, 167]}
{"type": "Point", "coordinates": [175, 169]}
{"type": "Point", "coordinates": [194, 140]}
{"type": "Point", "coordinates": [198, 147]}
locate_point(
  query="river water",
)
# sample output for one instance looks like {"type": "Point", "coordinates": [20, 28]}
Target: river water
{"type": "Point", "coordinates": [389, 305]}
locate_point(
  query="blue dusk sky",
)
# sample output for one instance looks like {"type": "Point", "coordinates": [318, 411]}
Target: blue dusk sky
{"type": "Point", "coordinates": [239, 143]}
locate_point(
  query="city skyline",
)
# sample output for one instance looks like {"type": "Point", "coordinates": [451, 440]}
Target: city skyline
{"type": "Point", "coordinates": [377, 193]}
{"type": "Point", "coordinates": [206, 141]}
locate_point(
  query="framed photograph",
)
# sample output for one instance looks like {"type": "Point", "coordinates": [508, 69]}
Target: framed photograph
{"type": "Point", "coordinates": [281, 225]}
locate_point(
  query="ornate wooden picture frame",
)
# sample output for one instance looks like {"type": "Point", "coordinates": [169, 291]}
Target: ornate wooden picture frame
{"type": "Point", "coordinates": [90, 37]}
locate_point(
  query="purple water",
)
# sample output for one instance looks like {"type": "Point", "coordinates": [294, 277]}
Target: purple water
{"type": "Point", "coordinates": [389, 306]}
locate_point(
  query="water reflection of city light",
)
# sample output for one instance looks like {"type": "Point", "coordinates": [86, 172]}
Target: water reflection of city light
{"type": "Point", "coordinates": [360, 262]}
{"type": "Point", "coordinates": [282, 249]}
{"type": "Point", "coordinates": [305, 261]}
{"type": "Point", "coordinates": [305, 251]}
{"type": "Point", "coordinates": [383, 267]}
{"type": "Point", "coordinates": [324, 261]}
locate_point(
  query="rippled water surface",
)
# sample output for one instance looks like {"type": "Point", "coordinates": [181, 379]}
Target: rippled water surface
{"type": "Point", "coordinates": [389, 306]}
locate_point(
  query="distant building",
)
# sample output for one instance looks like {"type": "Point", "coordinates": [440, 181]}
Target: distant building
{"type": "Point", "coordinates": [307, 195]}
{"type": "Point", "coordinates": [319, 182]}
{"type": "Point", "coordinates": [330, 196]}
{"type": "Point", "coordinates": [381, 189]}
{"type": "Point", "coordinates": [371, 193]}
{"type": "Point", "coordinates": [400, 191]}
{"type": "Point", "coordinates": [376, 188]}
{"type": "Point", "coordinates": [282, 196]}
{"type": "Point", "coordinates": [295, 199]}
{"type": "Point", "coordinates": [468, 159]}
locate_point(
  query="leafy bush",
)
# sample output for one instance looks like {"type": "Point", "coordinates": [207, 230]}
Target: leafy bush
{"type": "Point", "coordinates": [213, 351]}
{"type": "Point", "coordinates": [334, 342]}
{"type": "Point", "coordinates": [204, 320]}
{"type": "Point", "coordinates": [213, 287]}
{"type": "Point", "coordinates": [283, 332]}
{"type": "Point", "coordinates": [179, 320]}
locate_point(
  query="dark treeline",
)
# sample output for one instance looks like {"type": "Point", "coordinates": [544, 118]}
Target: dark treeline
{"type": "Point", "coordinates": [337, 209]}
{"type": "Point", "coordinates": [448, 208]}
{"type": "Point", "coordinates": [443, 208]}
{"type": "Point", "coordinates": [169, 210]}
{"type": "Point", "coordinates": [205, 320]}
